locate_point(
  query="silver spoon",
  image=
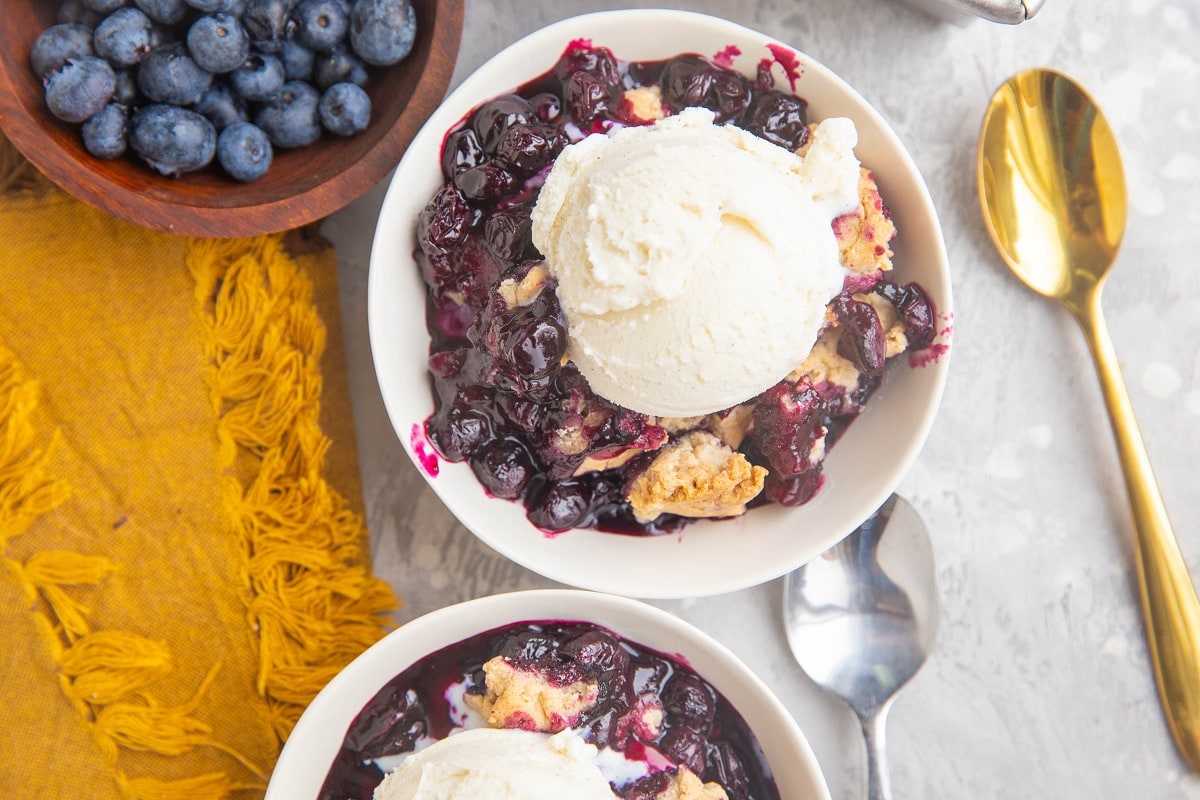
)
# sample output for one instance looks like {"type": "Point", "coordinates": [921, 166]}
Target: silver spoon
{"type": "Point", "coordinates": [861, 620]}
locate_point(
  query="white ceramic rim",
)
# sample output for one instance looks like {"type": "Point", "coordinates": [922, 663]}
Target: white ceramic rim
{"type": "Point", "coordinates": [709, 557]}
{"type": "Point", "coordinates": [317, 737]}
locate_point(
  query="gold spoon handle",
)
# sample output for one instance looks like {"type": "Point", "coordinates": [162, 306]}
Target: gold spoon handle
{"type": "Point", "coordinates": [1169, 602]}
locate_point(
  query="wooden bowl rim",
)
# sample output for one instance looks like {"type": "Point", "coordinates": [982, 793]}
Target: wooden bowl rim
{"type": "Point", "coordinates": [179, 216]}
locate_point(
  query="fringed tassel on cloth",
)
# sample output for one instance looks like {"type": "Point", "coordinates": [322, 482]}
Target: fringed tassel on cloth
{"type": "Point", "coordinates": [312, 599]}
{"type": "Point", "coordinates": [213, 786]}
{"type": "Point", "coordinates": [27, 490]}
{"type": "Point", "coordinates": [45, 574]}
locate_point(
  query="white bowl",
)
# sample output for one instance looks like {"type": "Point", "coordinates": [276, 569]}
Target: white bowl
{"type": "Point", "coordinates": [318, 735]}
{"type": "Point", "coordinates": [709, 557]}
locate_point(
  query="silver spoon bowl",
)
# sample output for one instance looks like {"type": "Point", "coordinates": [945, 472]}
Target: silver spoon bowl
{"type": "Point", "coordinates": [861, 620]}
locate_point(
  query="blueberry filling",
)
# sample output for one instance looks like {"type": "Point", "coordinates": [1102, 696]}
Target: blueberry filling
{"type": "Point", "coordinates": [506, 400]}
{"type": "Point", "coordinates": [699, 728]}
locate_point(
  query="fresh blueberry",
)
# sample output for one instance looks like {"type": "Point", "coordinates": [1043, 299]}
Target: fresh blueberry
{"type": "Point", "coordinates": [259, 79]}
{"type": "Point", "coordinates": [221, 105]}
{"type": "Point", "coordinates": [105, 6]}
{"type": "Point", "coordinates": [80, 89]}
{"type": "Point", "coordinates": [218, 43]}
{"type": "Point", "coordinates": [244, 151]}
{"type": "Point", "coordinates": [171, 139]}
{"type": "Point", "coordinates": [124, 36]}
{"type": "Point", "coordinates": [213, 6]}
{"type": "Point", "coordinates": [345, 109]}
{"type": "Point", "coordinates": [320, 24]}
{"type": "Point", "coordinates": [75, 12]}
{"type": "Point", "coordinates": [267, 23]}
{"type": "Point", "coordinates": [58, 43]}
{"type": "Point", "coordinates": [297, 60]}
{"type": "Point", "coordinates": [104, 133]}
{"type": "Point", "coordinates": [339, 65]}
{"type": "Point", "coordinates": [169, 75]}
{"type": "Point", "coordinates": [382, 31]}
{"type": "Point", "coordinates": [164, 12]}
{"type": "Point", "coordinates": [292, 119]}
{"type": "Point", "coordinates": [126, 92]}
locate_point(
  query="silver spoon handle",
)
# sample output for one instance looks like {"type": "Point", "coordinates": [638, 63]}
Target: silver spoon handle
{"type": "Point", "coordinates": [874, 728]}
{"type": "Point", "coordinates": [1168, 596]}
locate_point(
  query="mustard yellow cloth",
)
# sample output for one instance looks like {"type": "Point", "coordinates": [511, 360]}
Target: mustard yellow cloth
{"type": "Point", "coordinates": [184, 565]}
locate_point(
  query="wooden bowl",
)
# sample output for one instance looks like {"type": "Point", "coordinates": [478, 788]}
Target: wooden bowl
{"type": "Point", "coordinates": [301, 186]}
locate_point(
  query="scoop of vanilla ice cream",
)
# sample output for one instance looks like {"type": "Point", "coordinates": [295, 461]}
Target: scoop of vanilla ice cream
{"type": "Point", "coordinates": [499, 764]}
{"type": "Point", "coordinates": [694, 260]}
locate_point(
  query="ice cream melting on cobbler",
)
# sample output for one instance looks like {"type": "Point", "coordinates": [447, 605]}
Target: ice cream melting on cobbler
{"type": "Point", "coordinates": [622, 338]}
{"type": "Point", "coordinates": [545, 711]}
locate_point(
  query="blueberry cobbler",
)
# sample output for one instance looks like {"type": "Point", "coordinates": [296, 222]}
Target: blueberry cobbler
{"type": "Point", "coordinates": [549, 709]}
{"type": "Point", "coordinates": [576, 368]}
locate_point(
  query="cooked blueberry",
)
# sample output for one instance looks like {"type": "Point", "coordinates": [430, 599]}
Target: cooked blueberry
{"type": "Point", "coordinates": [596, 651]}
{"type": "Point", "coordinates": [58, 43]}
{"type": "Point", "coordinates": [526, 148]}
{"type": "Point", "coordinates": [105, 6]}
{"type": "Point", "coordinates": [291, 120]}
{"type": "Point", "coordinates": [345, 109]}
{"type": "Point", "coordinates": [729, 770]}
{"type": "Point", "coordinates": [80, 88]}
{"type": "Point", "coordinates": [171, 139]}
{"type": "Point", "coordinates": [169, 75]}
{"type": "Point", "coordinates": [563, 505]}
{"type": "Point", "coordinates": [165, 12]}
{"type": "Point", "coordinates": [507, 232]}
{"type": "Point", "coordinates": [260, 78]}
{"type": "Point", "coordinates": [267, 23]}
{"type": "Point", "coordinates": [486, 184]}
{"type": "Point", "coordinates": [76, 12]}
{"type": "Point", "coordinates": [915, 310]}
{"type": "Point", "coordinates": [686, 82]}
{"type": "Point", "coordinates": [222, 106]}
{"type": "Point", "coordinates": [492, 119]}
{"type": "Point", "coordinates": [586, 97]}
{"type": "Point", "coordinates": [218, 42]}
{"type": "Point", "coordinates": [504, 467]}
{"type": "Point", "coordinates": [460, 432]}
{"type": "Point", "coordinates": [123, 37]}
{"type": "Point", "coordinates": [444, 222]}
{"type": "Point", "coordinates": [320, 24]}
{"type": "Point", "coordinates": [685, 746]}
{"type": "Point", "coordinates": [787, 422]}
{"type": "Point", "coordinates": [244, 151]}
{"type": "Point", "coordinates": [297, 60]}
{"type": "Point", "coordinates": [461, 151]}
{"type": "Point", "coordinates": [339, 65]}
{"type": "Point", "coordinates": [779, 118]}
{"type": "Point", "coordinates": [730, 95]}
{"type": "Point", "coordinates": [537, 347]}
{"type": "Point", "coordinates": [104, 133]}
{"type": "Point", "coordinates": [392, 724]}
{"type": "Point", "coordinates": [597, 61]}
{"type": "Point", "coordinates": [382, 32]}
{"type": "Point", "coordinates": [687, 699]}
{"type": "Point", "coordinates": [861, 340]}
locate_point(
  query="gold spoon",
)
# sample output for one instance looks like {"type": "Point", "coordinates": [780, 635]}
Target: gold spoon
{"type": "Point", "coordinates": [1053, 196]}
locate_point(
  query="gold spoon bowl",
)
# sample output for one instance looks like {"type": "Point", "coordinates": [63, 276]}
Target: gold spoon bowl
{"type": "Point", "coordinates": [1053, 196]}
